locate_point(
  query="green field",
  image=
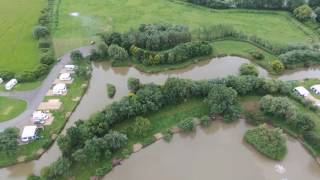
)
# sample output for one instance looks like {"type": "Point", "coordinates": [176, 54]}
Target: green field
{"type": "Point", "coordinates": [18, 48]}
{"type": "Point", "coordinates": [11, 108]}
{"type": "Point", "coordinates": [119, 15]}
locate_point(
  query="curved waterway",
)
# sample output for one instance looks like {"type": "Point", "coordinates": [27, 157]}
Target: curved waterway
{"type": "Point", "coordinates": [96, 99]}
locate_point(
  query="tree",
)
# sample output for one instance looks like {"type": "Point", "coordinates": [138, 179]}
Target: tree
{"type": "Point", "coordinates": [47, 58]}
{"type": "Point", "coordinates": [187, 125]}
{"type": "Point", "coordinates": [133, 84]}
{"type": "Point", "coordinates": [277, 66]}
{"type": "Point", "coordinates": [59, 168]}
{"type": "Point", "coordinates": [314, 3]}
{"type": "Point", "coordinates": [76, 55]}
{"type": "Point", "coordinates": [317, 12]}
{"type": "Point", "coordinates": [141, 126]}
{"type": "Point", "coordinates": [8, 141]}
{"type": "Point", "coordinates": [293, 4]}
{"type": "Point", "coordinates": [303, 12]}
{"type": "Point", "coordinates": [40, 32]}
{"type": "Point", "coordinates": [103, 50]}
{"type": "Point", "coordinates": [115, 140]}
{"type": "Point", "coordinates": [117, 52]}
{"type": "Point", "coordinates": [278, 106]}
{"type": "Point", "coordinates": [223, 100]}
{"type": "Point", "coordinates": [176, 90]}
{"type": "Point", "coordinates": [248, 69]}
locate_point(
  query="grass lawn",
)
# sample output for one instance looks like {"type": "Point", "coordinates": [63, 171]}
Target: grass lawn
{"type": "Point", "coordinates": [11, 108]}
{"type": "Point", "coordinates": [22, 86]}
{"type": "Point", "coordinates": [19, 50]}
{"type": "Point", "coordinates": [162, 120]}
{"type": "Point", "coordinates": [120, 15]}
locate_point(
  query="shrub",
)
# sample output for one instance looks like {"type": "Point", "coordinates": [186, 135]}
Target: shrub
{"type": "Point", "coordinates": [313, 139]}
{"type": "Point", "coordinates": [303, 12]}
{"type": "Point", "coordinates": [269, 142]}
{"type": "Point", "coordinates": [44, 43]}
{"type": "Point", "coordinates": [168, 135]}
{"type": "Point", "coordinates": [41, 70]}
{"type": "Point", "coordinates": [248, 69]}
{"type": "Point", "coordinates": [187, 125]}
{"type": "Point", "coordinates": [103, 50]}
{"type": "Point", "coordinates": [141, 126]}
{"type": "Point", "coordinates": [257, 55]}
{"type": "Point", "coordinates": [133, 84]}
{"type": "Point", "coordinates": [117, 52]}
{"type": "Point", "coordinates": [277, 66]}
{"type": "Point", "coordinates": [6, 75]}
{"type": "Point", "coordinates": [107, 167]}
{"type": "Point", "coordinates": [26, 76]}
{"type": "Point", "coordinates": [317, 12]}
{"type": "Point", "coordinates": [302, 123]}
{"type": "Point", "coordinates": [111, 90]}
{"type": "Point", "coordinates": [47, 58]}
{"type": "Point", "coordinates": [205, 121]}
{"type": "Point", "coordinates": [40, 32]}
{"type": "Point", "coordinates": [76, 55]}
{"type": "Point", "coordinates": [94, 55]}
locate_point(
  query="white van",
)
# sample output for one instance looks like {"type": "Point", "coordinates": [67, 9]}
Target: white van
{"type": "Point", "coordinates": [11, 84]}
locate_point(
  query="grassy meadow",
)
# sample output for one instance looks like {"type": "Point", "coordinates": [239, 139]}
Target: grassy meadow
{"type": "Point", "coordinates": [18, 48]}
{"type": "Point", "coordinates": [119, 15]}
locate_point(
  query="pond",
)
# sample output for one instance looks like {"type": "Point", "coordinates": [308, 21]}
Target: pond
{"type": "Point", "coordinates": [96, 99]}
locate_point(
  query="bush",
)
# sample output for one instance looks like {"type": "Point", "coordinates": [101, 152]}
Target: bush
{"type": "Point", "coordinates": [248, 69]}
{"type": "Point", "coordinates": [103, 50]}
{"type": "Point", "coordinates": [187, 125]}
{"type": "Point", "coordinates": [76, 55]}
{"type": "Point", "coordinates": [111, 90]}
{"type": "Point", "coordinates": [40, 32]}
{"type": "Point", "coordinates": [168, 135]}
{"type": "Point", "coordinates": [100, 172]}
{"type": "Point", "coordinates": [94, 55]}
{"type": "Point", "coordinates": [44, 43]}
{"type": "Point", "coordinates": [205, 121]}
{"type": "Point", "coordinates": [303, 12]}
{"type": "Point", "coordinates": [313, 139]}
{"type": "Point", "coordinates": [317, 12]}
{"type": "Point", "coordinates": [257, 55]}
{"type": "Point", "coordinates": [47, 58]}
{"type": "Point", "coordinates": [6, 75]}
{"type": "Point", "coordinates": [269, 142]}
{"type": "Point", "coordinates": [141, 126]}
{"type": "Point", "coordinates": [277, 66]}
{"type": "Point", "coordinates": [117, 52]}
{"type": "Point", "coordinates": [41, 70]}
{"type": "Point", "coordinates": [133, 84]}
{"type": "Point", "coordinates": [26, 76]}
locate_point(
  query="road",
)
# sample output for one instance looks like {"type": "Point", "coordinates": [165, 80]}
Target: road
{"type": "Point", "coordinates": [36, 96]}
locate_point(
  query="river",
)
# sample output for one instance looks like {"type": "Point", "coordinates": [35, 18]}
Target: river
{"type": "Point", "coordinates": [96, 99]}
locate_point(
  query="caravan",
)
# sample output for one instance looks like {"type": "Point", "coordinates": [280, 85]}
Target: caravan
{"type": "Point", "coordinates": [59, 89]}
{"type": "Point", "coordinates": [39, 117]}
{"type": "Point", "coordinates": [29, 133]}
{"type": "Point", "coordinates": [65, 77]}
{"type": "Point", "coordinates": [11, 84]}
{"type": "Point", "coordinates": [316, 88]}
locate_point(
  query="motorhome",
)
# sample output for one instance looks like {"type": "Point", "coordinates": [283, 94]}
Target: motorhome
{"type": "Point", "coordinates": [29, 133]}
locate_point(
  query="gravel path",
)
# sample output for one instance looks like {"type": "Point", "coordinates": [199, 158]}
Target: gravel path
{"type": "Point", "coordinates": [36, 96]}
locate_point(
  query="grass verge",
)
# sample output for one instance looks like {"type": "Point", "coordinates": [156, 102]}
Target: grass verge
{"type": "Point", "coordinates": [11, 108]}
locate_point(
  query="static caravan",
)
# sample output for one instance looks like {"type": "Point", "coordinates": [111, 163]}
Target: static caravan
{"type": "Point", "coordinates": [59, 89]}
{"type": "Point", "coordinates": [316, 88]}
{"type": "Point", "coordinates": [65, 77]}
{"type": "Point", "coordinates": [29, 133]}
{"type": "Point", "coordinates": [301, 91]}
{"type": "Point", "coordinates": [11, 84]}
{"type": "Point", "coordinates": [70, 67]}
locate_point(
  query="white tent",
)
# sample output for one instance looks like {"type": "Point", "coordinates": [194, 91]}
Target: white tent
{"type": "Point", "coordinates": [29, 133]}
{"type": "Point", "coordinates": [11, 84]}
{"type": "Point", "coordinates": [59, 89]}
{"type": "Point", "coordinates": [316, 88]}
{"type": "Point", "coordinates": [65, 77]}
{"type": "Point", "coordinates": [302, 91]}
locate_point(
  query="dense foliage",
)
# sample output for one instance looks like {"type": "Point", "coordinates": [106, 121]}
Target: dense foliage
{"type": "Point", "coordinates": [282, 107]}
{"type": "Point", "coordinates": [313, 139]}
{"type": "Point", "coordinates": [133, 84]}
{"type": "Point", "coordinates": [187, 125]}
{"type": "Point", "coordinates": [141, 126]}
{"type": "Point", "coordinates": [223, 101]}
{"type": "Point", "coordinates": [249, 69]}
{"type": "Point", "coordinates": [269, 142]}
{"type": "Point", "coordinates": [111, 89]}
{"type": "Point", "coordinates": [8, 141]}
{"type": "Point", "coordinates": [300, 57]}
{"type": "Point", "coordinates": [303, 12]}
{"type": "Point", "coordinates": [178, 54]}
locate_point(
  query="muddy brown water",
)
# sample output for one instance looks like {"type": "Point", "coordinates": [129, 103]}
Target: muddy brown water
{"type": "Point", "coordinates": [96, 99]}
